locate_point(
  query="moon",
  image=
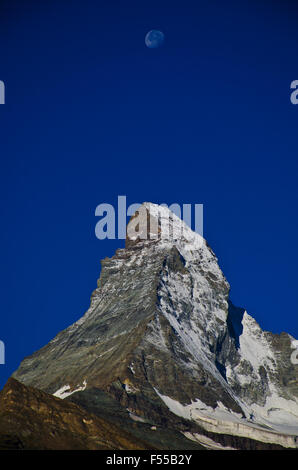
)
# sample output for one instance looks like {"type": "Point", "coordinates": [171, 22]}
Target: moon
{"type": "Point", "coordinates": [154, 39]}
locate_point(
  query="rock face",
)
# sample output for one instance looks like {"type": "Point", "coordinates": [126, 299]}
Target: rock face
{"type": "Point", "coordinates": [162, 337]}
{"type": "Point", "coordinates": [32, 419]}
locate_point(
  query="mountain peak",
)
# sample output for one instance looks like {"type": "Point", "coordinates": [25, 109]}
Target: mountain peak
{"type": "Point", "coordinates": [158, 223]}
{"type": "Point", "coordinates": [162, 338]}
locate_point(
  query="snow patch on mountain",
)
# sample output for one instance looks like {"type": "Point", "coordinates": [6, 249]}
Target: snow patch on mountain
{"type": "Point", "coordinates": [254, 347]}
{"type": "Point", "coordinates": [206, 442]}
{"type": "Point", "coordinates": [223, 421]}
{"type": "Point", "coordinates": [66, 391]}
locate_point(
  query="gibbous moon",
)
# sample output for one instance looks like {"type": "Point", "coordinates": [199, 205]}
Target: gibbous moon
{"type": "Point", "coordinates": [154, 39]}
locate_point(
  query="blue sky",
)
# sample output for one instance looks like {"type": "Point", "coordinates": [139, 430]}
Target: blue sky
{"type": "Point", "coordinates": [91, 113]}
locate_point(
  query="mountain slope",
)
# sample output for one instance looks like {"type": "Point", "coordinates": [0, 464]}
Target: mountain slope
{"type": "Point", "coordinates": [32, 419]}
{"type": "Point", "coordinates": [162, 337]}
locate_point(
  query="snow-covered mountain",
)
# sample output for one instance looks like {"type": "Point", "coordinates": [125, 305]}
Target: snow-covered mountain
{"type": "Point", "coordinates": [162, 337]}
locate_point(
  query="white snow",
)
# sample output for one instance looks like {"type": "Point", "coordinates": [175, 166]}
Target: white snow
{"type": "Point", "coordinates": [208, 315]}
{"type": "Point", "coordinates": [135, 417]}
{"type": "Point", "coordinates": [173, 228]}
{"type": "Point", "coordinates": [222, 420]}
{"type": "Point", "coordinates": [65, 390]}
{"type": "Point", "coordinates": [206, 441]}
{"type": "Point", "coordinates": [253, 345]}
{"type": "Point", "coordinates": [278, 413]}
{"type": "Point", "coordinates": [129, 388]}
{"type": "Point", "coordinates": [198, 409]}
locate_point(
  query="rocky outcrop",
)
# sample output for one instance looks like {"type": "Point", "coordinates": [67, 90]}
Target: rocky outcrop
{"type": "Point", "coordinates": [32, 419]}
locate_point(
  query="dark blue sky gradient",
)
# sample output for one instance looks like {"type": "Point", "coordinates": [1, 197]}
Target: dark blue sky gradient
{"type": "Point", "coordinates": [91, 114]}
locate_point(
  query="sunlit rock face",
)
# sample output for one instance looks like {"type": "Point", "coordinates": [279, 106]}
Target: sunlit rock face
{"type": "Point", "coordinates": [34, 420]}
{"type": "Point", "coordinates": [162, 337]}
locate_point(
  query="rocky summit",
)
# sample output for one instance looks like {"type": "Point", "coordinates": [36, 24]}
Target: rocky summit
{"type": "Point", "coordinates": [165, 347]}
